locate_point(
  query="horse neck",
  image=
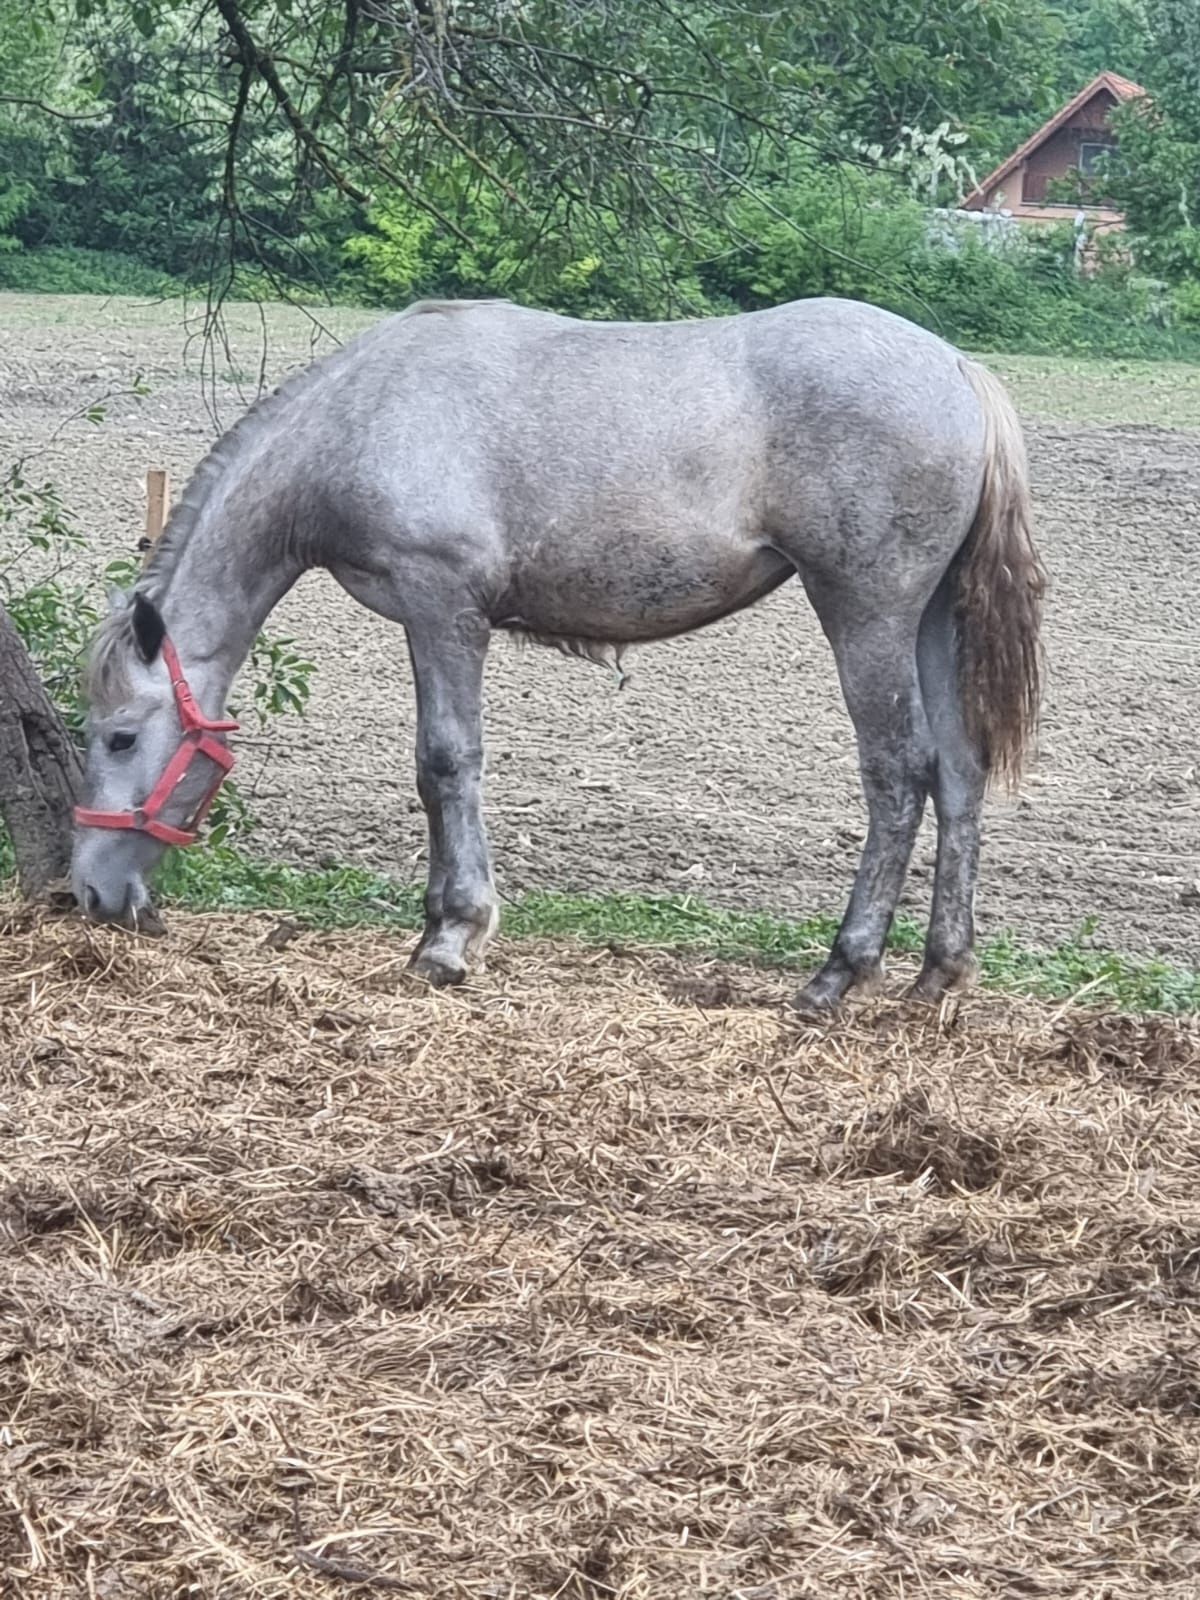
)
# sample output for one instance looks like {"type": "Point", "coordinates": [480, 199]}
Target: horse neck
{"type": "Point", "coordinates": [235, 565]}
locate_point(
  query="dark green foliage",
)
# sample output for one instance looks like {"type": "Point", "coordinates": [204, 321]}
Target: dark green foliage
{"type": "Point", "coordinates": [1159, 180]}
{"type": "Point", "coordinates": [75, 270]}
{"type": "Point", "coordinates": [142, 184]}
{"type": "Point", "coordinates": [135, 182]}
{"type": "Point", "coordinates": [615, 160]}
{"type": "Point", "coordinates": [1037, 304]}
{"type": "Point", "coordinates": [1099, 36]}
{"type": "Point", "coordinates": [822, 231]}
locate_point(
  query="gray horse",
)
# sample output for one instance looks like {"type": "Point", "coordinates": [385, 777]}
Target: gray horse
{"type": "Point", "coordinates": [468, 466]}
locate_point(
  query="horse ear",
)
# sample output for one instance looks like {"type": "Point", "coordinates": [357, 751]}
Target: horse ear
{"type": "Point", "coordinates": [149, 629]}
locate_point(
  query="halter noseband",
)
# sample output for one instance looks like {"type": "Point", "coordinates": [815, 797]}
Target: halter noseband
{"type": "Point", "coordinates": [197, 741]}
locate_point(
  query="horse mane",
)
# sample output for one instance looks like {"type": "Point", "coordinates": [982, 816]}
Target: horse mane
{"type": "Point", "coordinates": [106, 670]}
{"type": "Point", "coordinates": [106, 675]}
{"type": "Point", "coordinates": [249, 426]}
{"type": "Point", "coordinates": [212, 469]}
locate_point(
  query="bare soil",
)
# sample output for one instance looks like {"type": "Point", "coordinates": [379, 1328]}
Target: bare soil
{"type": "Point", "coordinates": [608, 1277]}
{"type": "Point", "coordinates": [725, 766]}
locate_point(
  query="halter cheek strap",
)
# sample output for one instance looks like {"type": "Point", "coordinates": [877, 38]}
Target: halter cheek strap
{"type": "Point", "coordinates": [197, 741]}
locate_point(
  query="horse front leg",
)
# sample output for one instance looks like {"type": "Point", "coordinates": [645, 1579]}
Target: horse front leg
{"type": "Point", "coordinates": [461, 908]}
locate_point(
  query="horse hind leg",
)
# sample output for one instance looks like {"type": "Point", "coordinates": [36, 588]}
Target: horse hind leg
{"type": "Point", "coordinates": [959, 782]}
{"type": "Point", "coordinates": [877, 663]}
{"type": "Point", "coordinates": [992, 665]}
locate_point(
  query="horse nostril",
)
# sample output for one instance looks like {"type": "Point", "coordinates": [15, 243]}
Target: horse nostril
{"type": "Point", "coordinates": [92, 899]}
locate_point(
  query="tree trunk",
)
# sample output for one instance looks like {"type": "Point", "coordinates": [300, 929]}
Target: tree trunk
{"type": "Point", "coordinates": [40, 770]}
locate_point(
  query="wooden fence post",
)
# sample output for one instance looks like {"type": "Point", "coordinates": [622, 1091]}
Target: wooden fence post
{"type": "Point", "coordinates": [158, 508]}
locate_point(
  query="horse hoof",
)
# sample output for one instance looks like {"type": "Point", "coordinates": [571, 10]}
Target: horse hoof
{"type": "Point", "coordinates": [814, 1004]}
{"type": "Point", "coordinates": [822, 995]}
{"type": "Point", "coordinates": [926, 992]}
{"type": "Point", "coordinates": [144, 921]}
{"type": "Point", "coordinates": [935, 983]}
{"type": "Point", "coordinates": [437, 972]}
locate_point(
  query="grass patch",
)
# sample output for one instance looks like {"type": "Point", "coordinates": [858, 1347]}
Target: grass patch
{"type": "Point", "coordinates": [1164, 394]}
{"type": "Point", "coordinates": [222, 878]}
{"type": "Point", "coordinates": [226, 880]}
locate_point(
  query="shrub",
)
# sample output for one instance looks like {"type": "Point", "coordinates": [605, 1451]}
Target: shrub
{"type": "Point", "coordinates": [71, 270]}
{"type": "Point", "coordinates": [578, 261]}
{"type": "Point", "coordinates": [1185, 301]}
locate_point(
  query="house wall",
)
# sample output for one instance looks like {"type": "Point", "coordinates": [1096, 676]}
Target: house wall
{"type": "Point", "coordinates": [1060, 153]}
{"type": "Point", "coordinates": [1023, 192]}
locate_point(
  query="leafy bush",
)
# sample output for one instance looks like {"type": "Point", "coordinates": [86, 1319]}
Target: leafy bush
{"type": "Point", "coordinates": [1158, 182]}
{"type": "Point", "coordinates": [1185, 300]}
{"type": "Point", "coordinates": [822, 232]}
{"type": "Point", "coordinates": [15, 195]}
{"type": "Point", "coordinates": [817, 231]}
{"type": "Point", "coordinates": [543, 253]}
{"type": "Point", "coordinates": [990, 302]}
{"type": "Point", "coordinates": [73, 270]}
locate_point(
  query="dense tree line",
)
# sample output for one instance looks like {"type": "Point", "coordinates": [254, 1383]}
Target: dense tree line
{"type": "Point", "coordinates": [637, 157]}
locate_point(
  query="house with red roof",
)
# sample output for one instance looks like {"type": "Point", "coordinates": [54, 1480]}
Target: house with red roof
{"type": "Point", "coordinates": [1034, 183]}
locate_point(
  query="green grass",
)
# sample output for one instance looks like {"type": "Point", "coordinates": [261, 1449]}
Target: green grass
{"type": "Point", "coordinates": [1165, 394]}
{"type": "Point", "coordinates": [224, 879]}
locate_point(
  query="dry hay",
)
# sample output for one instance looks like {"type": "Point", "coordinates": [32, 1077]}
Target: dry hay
{"type": "Point", "coordinates": [604, 1277]}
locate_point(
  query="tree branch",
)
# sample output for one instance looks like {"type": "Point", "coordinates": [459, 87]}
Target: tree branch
{"type": "Point", "coordinates": [260, 61]}
{"type": "Point", "coordinates": [28, 104]}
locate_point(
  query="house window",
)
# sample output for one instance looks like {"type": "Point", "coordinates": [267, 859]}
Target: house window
{"type": "Point", "coordinates": [1092, 156]}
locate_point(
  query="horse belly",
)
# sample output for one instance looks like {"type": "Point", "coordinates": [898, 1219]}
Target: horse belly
{"type": "Point", "coordinates": [636, 588]}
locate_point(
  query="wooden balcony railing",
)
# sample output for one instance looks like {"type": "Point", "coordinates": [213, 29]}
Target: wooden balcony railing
{"type": "Point", "coordinates": [1041, 188]}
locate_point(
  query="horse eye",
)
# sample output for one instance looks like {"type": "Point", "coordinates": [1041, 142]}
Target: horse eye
{"type": "Point", "coordinates": [122, 741]}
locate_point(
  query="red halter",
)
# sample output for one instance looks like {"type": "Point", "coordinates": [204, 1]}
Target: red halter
{"type": "Point", "coordinates": [196, 741]}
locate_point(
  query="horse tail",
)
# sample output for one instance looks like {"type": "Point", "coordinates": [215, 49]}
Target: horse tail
{"type": "Point", "coordinates": [1001, 584]}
